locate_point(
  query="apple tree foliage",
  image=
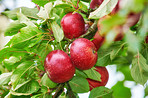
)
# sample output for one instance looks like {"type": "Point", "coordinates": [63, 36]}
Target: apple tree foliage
{"type": "Point", "coordinates": [36, 32]}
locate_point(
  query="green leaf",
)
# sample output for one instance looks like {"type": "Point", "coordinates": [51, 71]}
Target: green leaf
{"type": "Point", "coordinates": [7, 52]}
{"type": "Point", "coordinates": [14, 28]}
{"type": "Point", "coordinates": [126, 71]}
{"type": "Point", "coordinates": [22, 39]}
{"type": "Point", "coordinates": [27, 88]}
{"type": "Point", "coordinates": [146, 91]}
{"type": "Point", "coordinates": [139, 69]}
{"type": "Point", "coordinates": [101, 92]}
{"type": "Point", "coordinates": [57, 31]}
{"type": "Point", "coordinates": [118, 88]}
{"type": "Point", "coordinates": [103, 57]}
{"type": "Point", "coordinates": [80, 73]}
{"type": "Point", "coordinates": [47, 82]}
{"type": "Point", "coordinates": [41, 2]}
{"type": "Point", "coordinates": [29, 12]}
{"type": "Point", "coordinates": [67, 8]}
{"type": "Point", "coordinates": [42, 50]}
{"type": "Point", "coordinates": [45, 12]}
{"type": "Point", "coordinates": [93, 74]}
{"type": "Point", "coordinates": [105, 8]}
{"type": "Point", "coordinates": [10, 63]}
{"type": "Point", "coordinates": [79, 85]}
{"type": "Point", "coordinates": [8, 95]}
{"type": "Point", "coordinates": [20, 71]}
{"type": "Point", "coordinates": [116, 49]}
{"type": "Point", "coordinates": [42, 96]}
{"type": "Point", "coordinates": [5, 78]}
{"type": "Point", "coordinates": [134, 44]}
{"type": "Point", "coordinates": [23, 19]}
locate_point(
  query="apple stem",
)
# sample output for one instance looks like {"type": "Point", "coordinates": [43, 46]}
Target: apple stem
{"type": "Point", "coordinates": [59, 90]}
{"type": "Point", "coordinates": [91, 31]}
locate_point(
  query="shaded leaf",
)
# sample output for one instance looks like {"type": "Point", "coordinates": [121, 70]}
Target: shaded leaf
{"type": "Point", "coordinates": [79, 85]}
{"type": "Point", "coordinates": [118, 88]}
{"type": "Point", "coordinates": [80, 73]}
{"type": "Point", "coordinates": [46, 95]}
{"type": "Point", "coordinates": [134, 44]}
{"type": "Point", "coordinates": [27, 88]}
{"type": "Point", "coordinates": [139, 69]}
{"type": "Point", "coordinates": [101, 92]}
{"type": "Point", "coordinates": [14, 28]}
{"type": "Point", "coordinates": [29, 12]}
{"type": "Point", "coordinates": [22, 39]}
{"type": "Point", "coordinates": [7, 52]}
{"type": "Point", "coordinates": [93, 74]}
{"type": "Point", "coordinates": [20, 71]}
{"type": "Point", "coordinates": [57, 31]}
{"type": "Point", "coordinates": [47, 82]}
{"type": "Point", "coordinates": [10, 63]}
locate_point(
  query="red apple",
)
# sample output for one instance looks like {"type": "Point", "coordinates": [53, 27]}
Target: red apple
{"type": "Point", "coordinates": [120, 33]}
{"type": "Point", "coordinates": [116, 9]}
{"type": "Point", "coordinates": [73, 25]}
{"type": "Point", "coordinates": [98, 40]}
{"type": "Point", "coordinates": [83, 54]}
{"type": "Point", "coordinates": [132, 19]}
{"type": "Point", "coordinates": [104, 78]}
{"type": "Point", "coordinates": [58, 66]}
{"type": "Point", "coordinates": [146, 40]}
{"type": "Point", "coordinates": [95, 3]}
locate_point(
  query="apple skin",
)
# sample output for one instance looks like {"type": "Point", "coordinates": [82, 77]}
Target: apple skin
{"type": "Point", "coordinates": [132, 19]}
{"type": "Point", "coordinates": [73, 25]}
{"type": "Point", "coordinates": [83, 54]}
{"type": "Point", "coordinates": [58, 66]}
{"type": "Point", "coordinates": [104, 78]}
{"type": "Point", "coordinates": [120, 34]}
{"type": "Point", "coordinates": [98, 40]}
{"type": "Point", "coordinates": [95, 3]}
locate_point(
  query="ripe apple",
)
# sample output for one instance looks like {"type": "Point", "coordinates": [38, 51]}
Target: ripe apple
{"type": "Point", "coordinates": [104, 78]}
{"type": "Point", "coordinates": [95, 3]}
{"type": "Point", "coordinates": [83, 54]}
{"type": "Point", "coordinates": [132, 19]}
{"type": "Point", "coordinates": [58, 66]}
{"type": "Point", "coordinates": [116, 9]}
{"type": "Point", "coordinates": [98, 40]}
{"type": "Point", "coordinates": [119, 31]}
{"type": "Point", "coordinates": [73, 25]}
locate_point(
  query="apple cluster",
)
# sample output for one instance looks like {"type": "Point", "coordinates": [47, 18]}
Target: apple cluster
{"type": "Point", "coordinates": [60, 66]}
{"type": "Point", "coordinates": [131, 19]}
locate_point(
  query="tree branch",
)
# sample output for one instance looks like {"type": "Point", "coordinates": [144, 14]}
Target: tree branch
{"type": "Point", "coordinates": [69, 92]}
{"type": "Point", "coordinates": [91, 31]}
{"type": "Point", "coordinates": [59, 91]}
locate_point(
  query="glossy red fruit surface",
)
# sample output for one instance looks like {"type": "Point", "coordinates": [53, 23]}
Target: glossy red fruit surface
{"type": "Point", "coordinates": [83, 54]}
{"type": "Point", "coordinates": [95, 3]}
{"type": "Point", "coordinates": [98, 40]}
{"type": "Point", "coordinates": [73, 25]}
{"type": "Point", "coordinates": [58, 66]}
{"type": "Point", "coordinates": [104, 78]}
